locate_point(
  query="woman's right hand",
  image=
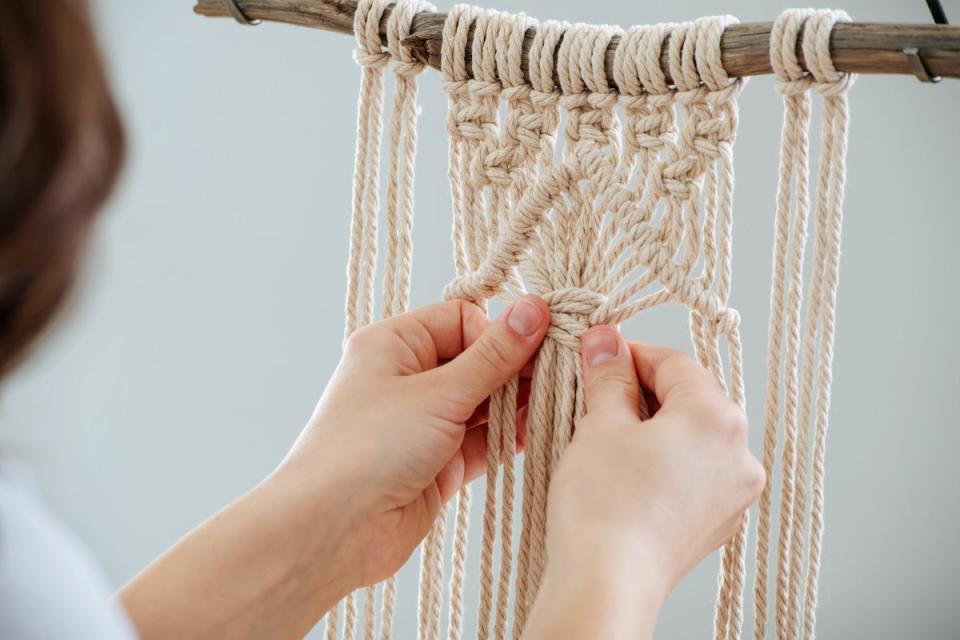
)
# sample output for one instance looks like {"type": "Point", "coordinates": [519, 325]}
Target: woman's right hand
{"type": "Point", "coordinates": [635, 504]}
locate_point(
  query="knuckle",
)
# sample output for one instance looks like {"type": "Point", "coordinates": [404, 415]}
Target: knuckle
{"type": "Point", "coordinates": [613, 377]}
{"type": "Point", "coordinates": [675, 361]}
{"type": "Point", "coordinates": [756, 478]}
{"type": "Point", "coordinates": [734, 420]}
{"type": "Point", "coordinates": [731, 530]}
{"type": "Point", "coordinates": [361, 339]}
{"type": "Point", "coordinates": [494, 353]}
{"type": "Point", "coordinates": [722, 416]}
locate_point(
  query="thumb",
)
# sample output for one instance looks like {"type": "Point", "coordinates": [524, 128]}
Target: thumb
{"type": "Point", "coordinates": [500, 352]}
{"type": "Point", "coordinates": [609, 377]}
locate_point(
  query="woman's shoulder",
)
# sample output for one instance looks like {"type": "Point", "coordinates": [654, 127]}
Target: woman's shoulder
{"type": "Point", "coordinates": [49, 585]}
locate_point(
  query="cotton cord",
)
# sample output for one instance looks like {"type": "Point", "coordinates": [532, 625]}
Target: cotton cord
{"type": "Point", "coordinates": [583, 235]}
{"type": "Point", "coordinates": [361, 265]}
{"type": "Point", "coordinates": [606, 203]}
{"type": "Point", "coordinates": [801, 351]}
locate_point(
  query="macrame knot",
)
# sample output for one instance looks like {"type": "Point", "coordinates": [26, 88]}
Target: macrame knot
{"type": "Point", "coordinates": [371, 60]}
{"type": "Point", "coordinates": [399, 24]}
{"type": "Point", "coordinates": [793, 87]}
{"type": "Point", "coordinates": [571, 314]}
{"type": "Point", "coordinates": [706, 303]}
{"type": "Point", "coordinates": [840, 87]}
{"type": "Point", "coordinates": [545, 100]}
{"type": "Point", "coordinates": [541, 60]}
{"type": "Point", "coordinates": [516, 95]}
{"type": "Point", "coordinates": [676, 179]}
{"type": "Point", "coordinates": [406, 69]}
{"type": "Point", "coordinates": [728, 321]}
{"type": "Point", "coordinates": [816, 26]}
{"type": "Point", "coordinates": [366, 27]}
{"type": "Point", "coordinates": [473, 287]}
{"type": "Point", "coordinates": [581, 59]}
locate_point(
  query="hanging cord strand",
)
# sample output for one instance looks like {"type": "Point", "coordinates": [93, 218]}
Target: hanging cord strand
{"type": "Point", "coordinates": [373, 60]}
{"type": "Point", "coordinates": [796, 88]}
{"type": "Point", "coordinates": [546, 97]}
{"type": "Point", "coordinates": [793, 84]}
{"type": "Point", "coordinates": [520, 144]}
{"type": "Point", "coordinates": [830, 191]}
{"type": "Point", "coordinates": [817, 32]}
{"type": "Point", "coordinates": [361, 264]}
{"type": "Point", "coordinates": [806, 363]}
{"type": "Point", "coordinates": [402, 146]}
{"type": "Point", "coordinates": [456, 34]}
{"type": "Point", "coordinates": [486, 87]}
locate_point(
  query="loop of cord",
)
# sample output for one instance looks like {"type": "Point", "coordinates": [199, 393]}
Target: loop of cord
{"type": "Point", "coordinates": [366, 26]}
{"type": "Point", "coordinates": [399, 26]}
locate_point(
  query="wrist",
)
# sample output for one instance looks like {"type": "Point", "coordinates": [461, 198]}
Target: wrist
{"type": "Point", "coordinates": [597, 592]}
{"type": "Point", "coordinates": [318, 515]}
{"type": "Point", "coordinates": [624, 563]}
{"type": "Point", "coordinates": [613, 569]}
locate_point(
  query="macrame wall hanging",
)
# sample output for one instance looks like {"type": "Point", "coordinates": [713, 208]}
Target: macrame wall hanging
{"type": "Point", "coordinates": [606, 202]}
{"type": "Point", "coordinates": [593, 166]}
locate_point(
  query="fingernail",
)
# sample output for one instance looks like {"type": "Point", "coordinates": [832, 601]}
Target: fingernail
{"type": "Point", "coordinates": [524, 318]}
{"type": "Point", "coordinates": [600, 346]}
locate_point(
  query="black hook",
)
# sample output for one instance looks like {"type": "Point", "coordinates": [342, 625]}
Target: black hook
{"type": "Point", "coordinates": [238, 13]}
{"type": "Point", "coordinates": [913, 53]}
{"type": "Point", "coordinates": [936, 10]}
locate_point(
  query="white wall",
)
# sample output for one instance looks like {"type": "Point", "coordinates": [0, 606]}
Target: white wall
{"type": "Point", "coordinates": [210, 315]}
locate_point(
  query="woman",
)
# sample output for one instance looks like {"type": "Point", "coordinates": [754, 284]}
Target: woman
{"type": "Point", "coordinates": [401, 426]}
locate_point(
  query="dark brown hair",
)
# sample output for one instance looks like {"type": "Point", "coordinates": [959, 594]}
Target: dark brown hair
{"type": "Point", "coordinates": [61, 148]}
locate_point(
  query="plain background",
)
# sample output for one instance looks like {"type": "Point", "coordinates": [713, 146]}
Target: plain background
{"type": "Point", "coordinates": [210, 314]}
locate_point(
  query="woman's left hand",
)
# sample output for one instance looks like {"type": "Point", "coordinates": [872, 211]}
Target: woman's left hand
{"type": "Point", "coordinates": [399, 429]}
{"type": "Point", "coordinates": [402, 424]}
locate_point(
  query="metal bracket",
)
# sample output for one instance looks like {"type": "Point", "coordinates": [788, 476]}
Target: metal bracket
{"type": "Point", "coordinates": [238, 13]}
{"type": "Point", "coordinates": [919, 66]}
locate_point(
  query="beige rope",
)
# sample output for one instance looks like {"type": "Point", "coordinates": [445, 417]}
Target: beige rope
{"type": "Point", "coordinates": [583, 279]}
{"type": "Point", "coordinates": [634, 212]}
{"type": "Point", "coordinates": [809, 344]}
{"type": "Point", "coordinates": [363, 246]}
{"type": "Point", "coordinates": [361, 264]}
{"type": "Point", "coordinates": [793, 160]}
{"type": "Point", "coordinates": [399, 214]}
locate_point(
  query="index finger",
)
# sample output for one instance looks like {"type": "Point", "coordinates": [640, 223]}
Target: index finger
{"type": "Point", "coordinates": [673, 376]}
{"type": "Point", "coordinates": [450, 338]}
{"type": "Point", "coordinates": [438, 332]}
{"type": "Point", "coordinates": [451, 326]}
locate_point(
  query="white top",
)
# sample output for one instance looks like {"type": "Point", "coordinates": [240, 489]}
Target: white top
{"type": "Point", "coordinates": [49, 585]}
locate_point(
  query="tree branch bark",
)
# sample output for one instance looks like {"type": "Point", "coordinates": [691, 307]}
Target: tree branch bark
{"type": "Point", "coordinates": [856, 47]}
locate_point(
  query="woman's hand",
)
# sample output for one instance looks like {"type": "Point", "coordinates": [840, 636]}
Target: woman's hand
{"type": "Point", "coordinates": [401, 426]}
{"type": "Point", "coordinates": [399, 429]}
{"type": "Point", "coordinates": [635, 504]}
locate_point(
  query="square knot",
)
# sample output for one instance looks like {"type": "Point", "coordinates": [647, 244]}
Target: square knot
{"type": "Point", "coordinates": [572, 312]}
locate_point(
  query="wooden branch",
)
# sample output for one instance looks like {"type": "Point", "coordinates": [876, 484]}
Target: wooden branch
{"type": "Point", "coordinates": [855, 47]}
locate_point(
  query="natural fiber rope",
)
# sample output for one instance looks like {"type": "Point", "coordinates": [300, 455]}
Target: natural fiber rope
{"type": "Point", "coordinates": [807, 358]}
{"type": "Point", "coordinates": [568, 278]}
{"type": "Point", "coordinates": [635, 212]}
{"type": "Point", "coordinates": [361, 269]}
